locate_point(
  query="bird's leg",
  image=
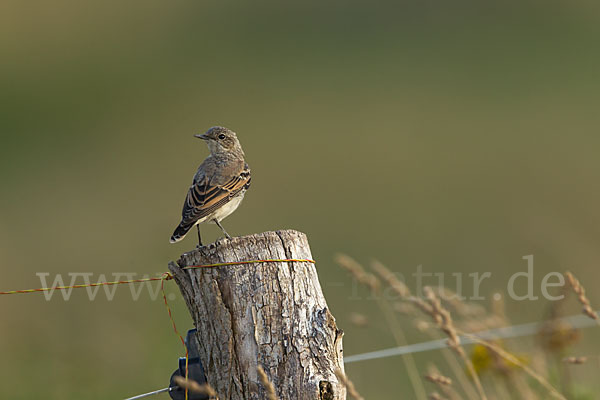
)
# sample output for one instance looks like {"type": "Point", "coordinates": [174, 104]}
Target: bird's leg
{"type": "Point", "coordinates": [223, 229]}
{"type": "Point", "coordinates": [199, 237]}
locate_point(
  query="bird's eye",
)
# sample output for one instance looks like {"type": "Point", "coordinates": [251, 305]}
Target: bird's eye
{"type": "Point", "coordinates": [221, 136]}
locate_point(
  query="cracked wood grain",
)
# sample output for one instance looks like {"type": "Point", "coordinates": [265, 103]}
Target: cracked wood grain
{"type": "Point", "coordinates": [268, 314]}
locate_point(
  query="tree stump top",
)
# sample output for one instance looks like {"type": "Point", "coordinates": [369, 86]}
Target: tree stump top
{"type": "Point", "coordinates": [271, 314]}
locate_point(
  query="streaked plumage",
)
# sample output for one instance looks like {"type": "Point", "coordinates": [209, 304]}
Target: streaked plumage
{"type": "Point", "coordinates": [219, 184]}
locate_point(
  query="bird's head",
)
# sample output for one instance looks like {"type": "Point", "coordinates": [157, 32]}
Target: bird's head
{"type": "Point", "coordinates": [221, 140]}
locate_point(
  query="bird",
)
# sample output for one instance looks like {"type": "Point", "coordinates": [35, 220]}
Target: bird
{"type": "Point", "coordinates": [219, 185]}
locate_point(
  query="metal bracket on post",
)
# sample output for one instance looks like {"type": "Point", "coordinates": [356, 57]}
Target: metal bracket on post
{"type": "Point", "coordinates": [195, 370]}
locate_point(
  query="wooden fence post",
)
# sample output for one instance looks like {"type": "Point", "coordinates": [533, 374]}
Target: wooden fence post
{"type": "Point", "coordinates": [268, 314]}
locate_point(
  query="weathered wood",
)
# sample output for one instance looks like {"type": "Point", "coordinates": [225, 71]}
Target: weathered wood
{"type": "Point", "coordinates": [268, 314]}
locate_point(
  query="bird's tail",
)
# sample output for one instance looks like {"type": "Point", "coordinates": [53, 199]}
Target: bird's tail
{"type": "Point", "coordinates": [180, 233]}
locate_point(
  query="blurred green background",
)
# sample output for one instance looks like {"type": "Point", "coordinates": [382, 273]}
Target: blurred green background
{"type": "Point", "coordinates": [459, 136]}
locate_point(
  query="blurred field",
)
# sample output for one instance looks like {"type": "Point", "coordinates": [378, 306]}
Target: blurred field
{"type": "Point", "coordinates": [458, 136]}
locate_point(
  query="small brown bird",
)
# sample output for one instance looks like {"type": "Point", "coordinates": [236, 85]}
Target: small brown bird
{"type": "Point", "coordinates": [219, 184]}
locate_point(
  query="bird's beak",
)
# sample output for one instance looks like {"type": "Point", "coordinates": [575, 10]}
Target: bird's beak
{"type": "Point", "coordinates": [202, 136]}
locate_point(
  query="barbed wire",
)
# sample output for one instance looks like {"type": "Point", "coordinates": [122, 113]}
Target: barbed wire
{"type": "Point", "coordinates": [164, 277]}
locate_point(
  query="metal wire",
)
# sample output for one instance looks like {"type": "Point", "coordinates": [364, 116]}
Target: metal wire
{"type": "Point", "coordinates": [577, 321]}
{"type": "Point", "coordinates": [141, 396]}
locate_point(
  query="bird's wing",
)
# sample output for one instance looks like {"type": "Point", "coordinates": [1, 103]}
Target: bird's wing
{"type": "Point", "coordinates": [205, 195]}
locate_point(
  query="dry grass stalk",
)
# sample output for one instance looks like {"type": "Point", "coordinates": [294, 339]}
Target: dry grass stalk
{"type": "Point", "coordinates": [264, 379]}
{"type": "Point", "coordinates": [482, 324]}
{"type": "Point", "coordinates": [399, 287]}
{"type": "Point", "coordinates": [195, 387]}
{"type": "Point", "coordinates": [557, 335]}
{"type": "Point", "coordinates": [511, 358]}
{"type": "Point", "coordinates": [575, 360]}
{"type": "Point", "coordinates": [580, 291]}
{"type": "Point", "coordinates": [443, 319]}
{"type": "Point", "coordinates": [436, 396]}
{"type": "Point", "coordinates": [374, 284]}
{"type": "Point", "coordinates": [422, 326]}
{"type": "Point", "coordinates": [349, 385]}
{"type": "Point", "coordinates": [457, 303]}
{"type": "Point", "coordinates": [405, 308]}
{"type": "Point", "coordinates": [499, 307]}
{"type": "Point", "coordinates": [439, 379]}
{"type": "Point", "coordinates": [388, 276]}
{"type": "Point", "coordinates": [358, 319]}
{"type": "Point", "coordinates": [358, 272]}
{"type": "Point", "coordinates": [459, 372]}
{"type": "Point", "coordinates": [444, 383]}
{"type": "Point", "coordinates": [409, 309]}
